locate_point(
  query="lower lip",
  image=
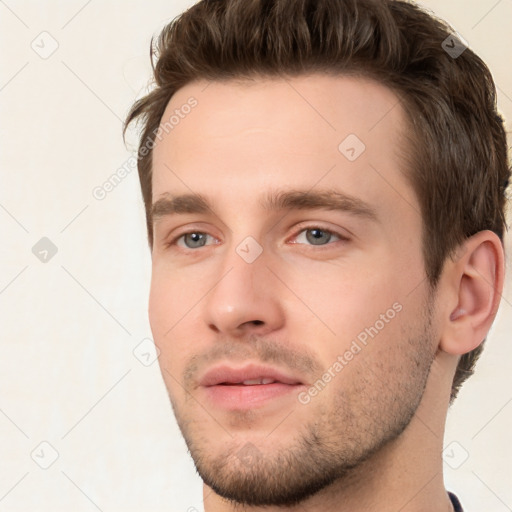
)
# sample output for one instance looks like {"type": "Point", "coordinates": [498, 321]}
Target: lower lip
{"type": "Point", "coordinates": [246, 397]}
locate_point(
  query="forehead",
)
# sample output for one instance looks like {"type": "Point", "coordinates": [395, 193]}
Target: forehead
{"type": "Point", "coordinates": [243, 137]}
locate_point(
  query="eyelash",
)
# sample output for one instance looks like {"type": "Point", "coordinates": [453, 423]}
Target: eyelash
{"type": "Point", "coordinates": [342, 238]}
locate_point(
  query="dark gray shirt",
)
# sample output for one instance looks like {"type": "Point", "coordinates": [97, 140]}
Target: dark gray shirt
{"type": "Point", "coordinates": [455, 502]}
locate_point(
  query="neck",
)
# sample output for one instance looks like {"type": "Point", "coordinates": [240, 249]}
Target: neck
{"type": "Point", "coordinates": [405, 475]}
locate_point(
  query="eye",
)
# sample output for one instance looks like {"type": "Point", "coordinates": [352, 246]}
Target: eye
{"type": "Point", "coordinates": [316, 235]}
{"type": "Point", "coordinates": [191, 240]}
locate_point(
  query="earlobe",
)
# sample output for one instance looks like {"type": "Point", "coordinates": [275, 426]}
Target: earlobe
{"type": "Point", "coordinates": [477, 283]}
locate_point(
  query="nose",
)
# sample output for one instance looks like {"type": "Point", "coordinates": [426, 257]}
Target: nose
{"type": "Point", "coordinates": [245, 298]}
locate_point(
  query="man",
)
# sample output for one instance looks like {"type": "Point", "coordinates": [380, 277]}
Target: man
{"type": "Point", "coordinates": [324, 183]}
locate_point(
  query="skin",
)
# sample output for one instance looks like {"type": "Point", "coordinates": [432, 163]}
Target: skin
{"type": "Point", "coordinates": [376, 429]}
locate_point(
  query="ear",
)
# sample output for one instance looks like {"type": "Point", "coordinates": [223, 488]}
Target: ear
{"type": "Point", "coordinates": [474, 284]}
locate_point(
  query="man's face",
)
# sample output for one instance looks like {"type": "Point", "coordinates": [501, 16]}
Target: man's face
{"type": "Point", "coordinates": [329, 306]}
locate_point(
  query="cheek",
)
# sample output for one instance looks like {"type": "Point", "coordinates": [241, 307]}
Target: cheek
{"type": "Point", "coordinates": [165, 311]}
{"type": "Point", "coordinates": [344, 300]}
{"type": "Point", "coordinates": [173, 308]}
{"type": "Point", "coordinates": [168, 299]}
{"type": "Point", "coordinates": [358, 317]}
{"type": "Point", "coordinates": [160, 307]}
{"type": "Point", "coordinates": [163, 304]}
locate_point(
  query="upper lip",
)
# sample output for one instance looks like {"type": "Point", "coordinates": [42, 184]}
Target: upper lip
{"type": "Point", "coordinates": [224, 374]}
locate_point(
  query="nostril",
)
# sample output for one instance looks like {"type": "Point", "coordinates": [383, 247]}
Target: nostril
{"type": "Point", "coordinates": [257, 322]}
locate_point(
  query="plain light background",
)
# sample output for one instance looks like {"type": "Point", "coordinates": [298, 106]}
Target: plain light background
{"type": "Point", "coordinates": [71, 327]}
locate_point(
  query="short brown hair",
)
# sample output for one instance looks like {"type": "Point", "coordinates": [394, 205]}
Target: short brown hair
{"type": "Point", "coordinates": [458, 164]}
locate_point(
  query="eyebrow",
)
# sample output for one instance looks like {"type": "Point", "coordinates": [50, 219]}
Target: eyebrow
{"type": "Point", "coordinates": [280, 200]}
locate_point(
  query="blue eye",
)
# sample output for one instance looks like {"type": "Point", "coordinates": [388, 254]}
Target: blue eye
{"type": "Point", "coordinates": [196, 239]}
{"type": "Point", "coordinates": [318, 236]}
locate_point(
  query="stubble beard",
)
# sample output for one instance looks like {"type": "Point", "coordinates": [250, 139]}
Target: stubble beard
{"type": "Point", "coordinates": [330, 448]}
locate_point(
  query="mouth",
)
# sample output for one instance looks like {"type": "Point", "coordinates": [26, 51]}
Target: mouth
{"type": "Point", "coordinates": [247, 387]}
{"type": "Point", "coordinates": [250, 382]}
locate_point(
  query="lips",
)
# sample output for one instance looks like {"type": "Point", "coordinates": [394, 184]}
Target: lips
{"type": "Point", "coordinates": [249, 375]}
{"type": "Point", "coordinates": [249, 387]}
